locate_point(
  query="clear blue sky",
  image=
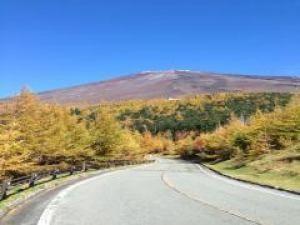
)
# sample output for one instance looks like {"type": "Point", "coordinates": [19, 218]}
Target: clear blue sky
{"type": "Point", "coordinates": [57, 43]}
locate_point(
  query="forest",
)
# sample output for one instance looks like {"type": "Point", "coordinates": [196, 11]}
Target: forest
{"type": "Point", "coordinates": [36, 136]}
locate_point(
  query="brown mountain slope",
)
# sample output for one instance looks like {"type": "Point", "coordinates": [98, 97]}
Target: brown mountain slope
{"type": "Point", "coordinates": [165, 84]}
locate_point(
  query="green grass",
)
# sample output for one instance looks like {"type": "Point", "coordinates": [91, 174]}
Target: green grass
{"type": "Point", "coordinates": [267, 170]}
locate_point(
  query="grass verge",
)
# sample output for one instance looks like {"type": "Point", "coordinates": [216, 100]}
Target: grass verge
{"type": "Point", "coordinates": [19, 197]}
{"type": "Point", "coordinates": [266, 171]}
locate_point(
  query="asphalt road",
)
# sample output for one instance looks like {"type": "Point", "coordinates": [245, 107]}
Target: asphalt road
{"type": "Point", "coordinates": [167, 192]}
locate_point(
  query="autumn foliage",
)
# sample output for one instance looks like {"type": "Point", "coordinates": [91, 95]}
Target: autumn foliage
{"type": "Point", "coordinates": [38, 136]}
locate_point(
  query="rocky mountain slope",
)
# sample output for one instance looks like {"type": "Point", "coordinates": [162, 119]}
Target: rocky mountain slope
{"type": "Point", "coordinates": [168, 84]}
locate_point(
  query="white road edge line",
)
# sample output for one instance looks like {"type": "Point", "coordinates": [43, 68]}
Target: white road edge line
{"type": "Point", "coordinates": [248, 186]}
{"type": "Point", "coordinates": [49, 211]}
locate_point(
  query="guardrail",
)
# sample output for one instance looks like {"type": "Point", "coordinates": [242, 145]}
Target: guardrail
{"type": "Point", "coordinates": [15, 185]}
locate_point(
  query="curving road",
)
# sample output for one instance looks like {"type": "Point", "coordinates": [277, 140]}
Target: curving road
{"type": "Point", "coordinates": [165, 192]}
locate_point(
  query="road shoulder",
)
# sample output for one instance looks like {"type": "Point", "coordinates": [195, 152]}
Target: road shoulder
{"type": "Point", "coordinates": [219, 170]}
{"type": "Point", "coordinates": [26, 207]}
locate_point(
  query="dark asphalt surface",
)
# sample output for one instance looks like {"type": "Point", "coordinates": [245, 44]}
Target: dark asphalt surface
{"type": "Point", "coordinates": [165, 192]}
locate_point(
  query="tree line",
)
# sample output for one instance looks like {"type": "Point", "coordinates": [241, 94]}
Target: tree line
{"type": "Point", "coordinates": [36, 136]}
{"type": "Point", "coordinates": [203, 113]}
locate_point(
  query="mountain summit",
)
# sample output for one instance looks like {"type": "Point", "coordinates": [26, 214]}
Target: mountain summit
{"type": "Point", "coordinates": [168, 84]}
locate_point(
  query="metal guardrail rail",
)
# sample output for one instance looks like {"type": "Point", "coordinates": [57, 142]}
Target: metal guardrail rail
{"type": "Point", "coordinates": [15, 185]}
